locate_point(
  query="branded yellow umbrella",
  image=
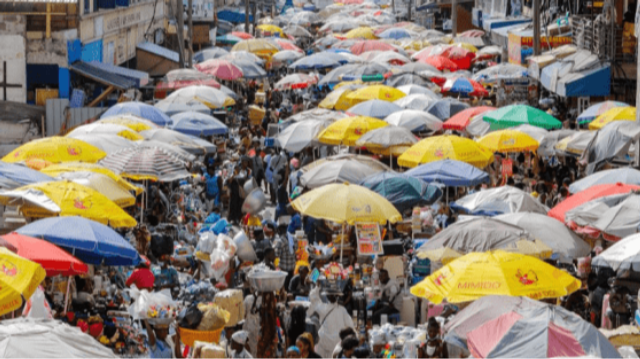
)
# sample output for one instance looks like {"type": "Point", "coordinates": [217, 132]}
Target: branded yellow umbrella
{"type": "Point", "coordinates": [270, 30]}
{"type": "Point", "coordinates": [375, 92]}
{"type": "Point", "coordinates": [57, 170]}
{"type": "Point", "coordinates": [614, 114]}
{"type": "Point", "coordinates": [256, 46]}
{"type": "Point", "coordinates": [66, 198]}
{"type": "Point", "coordinates": [446, 146]}
{"type": "Point", "coordinates": [348, 130]}
{"type": "Point", "coordinates": [365, 33]}
{"type": "Point", "coordinates": [19, 278]}
{"type": "Point", "coordinates": [495, 273]}
{"type": "Point", "coordinates": [338, 99]}
{"type": "Point", "coordinates": [56, 149]}
{"type": "Point", "coordinates": [111, 189]}
{"type": "Point", "coordinates": [135, 123]}
{"type": "Point", "coordinates": [506, 141]}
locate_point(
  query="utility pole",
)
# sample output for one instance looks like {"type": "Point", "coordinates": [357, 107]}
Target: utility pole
{"type": "Point", "coordinates": [180, 32]}
{"type": "Point", "coordinates": [409, 12]}
{"type": "Point", "coordinates": [454, 18]}
{"type": "Point", "coordinates": [536, 27]}
{"type": "Point", "coordinates": [246, 16]}
{"type": "Point", "coordinates": [190, 31]}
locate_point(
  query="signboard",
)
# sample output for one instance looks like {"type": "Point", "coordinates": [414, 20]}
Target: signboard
{"type": "Point", "coordinates": [520, 46]}
{"type": "Point", "coordinates": [202, 10]}
{"type": "Point", "coordinates": [507, 167]}
{"type": "Point", "coordinates": [369, 239]}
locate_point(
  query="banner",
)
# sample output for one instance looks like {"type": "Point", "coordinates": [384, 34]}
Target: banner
{"type": "Point", "coordinates": [369, 239]}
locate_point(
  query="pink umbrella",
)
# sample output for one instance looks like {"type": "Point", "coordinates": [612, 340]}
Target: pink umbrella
{"type": "Point", "coordinates": [287, 45]}
{"type": "Point", "coordinates": [371, 45]}
{"type": "Point", "coordinates": [429, 51]}
{"type": "Point", "coordinates": [221, 69]}
{"type": "Point", "coordinates": [241, 34]}
{"type": "Point", "coordinates": [441, 63]}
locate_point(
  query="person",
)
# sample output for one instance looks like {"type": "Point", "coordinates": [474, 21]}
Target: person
{"type": "Point", "coordinates": [433, 347]}
{"type": "Point", "coordinates": [300, 286]}
{"type": "Point", "coordinates": [297, 324]}
{"type": "Point", "coordinates": [349, 345]}
{"type": "Point", "coordinates": [167, 277]}
{"type": "Point", "coordinates": [564, 193]}
{"type": "Point", "coordinates": [142, 277]}
{"type": "Point", "coordinates": [333, 318]}
{"type": "Point", "coordinates": [238, 343]}
{"type": "Point", "coordinates": [282, 195]}
{"type": "Point", "coordinates": [159, 343]}
{"type": "Point", "coordinates": [305, 344]}
{"type": "Point", "coordinates": [235, 201]}
{"type": "Point", "coordinates": [293, 352]}
{"type": "Point", "coordinates": [343, 334]}
{"type": "Point", "coordinates": [277, 163]}
{"type": "Point", "coordinates": [378, 342]}
{"type": "Point", "coordinates": [286, 251]}
{"type": "Point", "coordinates": [225, 342]}
{"type": "Point", "coordinates": [391, 299]}
{"type": "Point", "coordinates": [269, 258]}
{"type": "Point", "coordinates": [257, 164]}
{"type": "Point", "coordinates": [262, 243]}
{"type": "Point", "coordinates": [307, 158]}
{"type": "Point", "coordinates": [213, 185]}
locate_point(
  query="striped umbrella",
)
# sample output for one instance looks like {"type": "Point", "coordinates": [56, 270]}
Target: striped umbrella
{"type": "Point", "coordinates": [143, 163]}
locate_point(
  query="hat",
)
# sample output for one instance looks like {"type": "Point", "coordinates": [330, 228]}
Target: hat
{"type": "Point", "coordinates": [240, 337]}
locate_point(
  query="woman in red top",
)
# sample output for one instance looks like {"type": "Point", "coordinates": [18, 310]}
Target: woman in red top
{"type": "Point", "coordinates": [142, 276]}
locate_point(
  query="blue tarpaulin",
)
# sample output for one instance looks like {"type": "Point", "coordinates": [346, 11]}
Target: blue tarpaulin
{"type": "Point", "coordinates": [102, 76]}
{"type": "Point", "coordinates": [233, 16]}
{"type": "Point", "coordinates": [578, 75]}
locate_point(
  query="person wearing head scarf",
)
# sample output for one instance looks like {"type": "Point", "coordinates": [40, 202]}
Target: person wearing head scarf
{"type": "Point", "coordinates": [238, 343]}
{"type": "Point", "coordinates": [305, 344]}
{"type": "Point", "coordinates": [333, 318]}
{"type": "Point", "coordinates": [293, 352]}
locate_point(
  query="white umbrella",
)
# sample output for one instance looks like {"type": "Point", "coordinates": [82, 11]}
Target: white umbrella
{"type": "Point", "coordinates": [500, 200]}
{"type": "Point", "coordinates": [417, 89]}
{"type": "Point", "coordinates": [107, 143]}
{"type": "Point", "coordinates": [287, 56]}
{"type": "Point", "coordinates": [415, 121]}
{"type": "Point", "coordinates": [101, 128]}
{"type": "Point", "coordinates": [618, 252]}
{"type": "Point", "coordinates": [337, 171]}
{"type": "Point", "coordinates": [300, 134]}
{"type": "Point", "coordinates": [415, 102]}
{"type": "Point", "coordinates": [188, 143]}
{"type": "Point", "coordinates": [297, 31]}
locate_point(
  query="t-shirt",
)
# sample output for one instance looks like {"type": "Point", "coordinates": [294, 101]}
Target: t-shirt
{"type": "Point", "coordinates": [143, 278]}
{"type": "Point", "coordinates": [166, 276]}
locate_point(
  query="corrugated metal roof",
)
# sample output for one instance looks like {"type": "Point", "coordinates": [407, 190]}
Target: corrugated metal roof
{"type": "Point", "coordinates": [160, 51]}
{"type": "Point", "coordinates": [102, 76]}
{"type": "Point", "coordinates": [141, 77]}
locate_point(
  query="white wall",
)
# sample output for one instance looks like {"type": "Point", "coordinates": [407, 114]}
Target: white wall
{"type": "Point", "coordinates": [13, 52]}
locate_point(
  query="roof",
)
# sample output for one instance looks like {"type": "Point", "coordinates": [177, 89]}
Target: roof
{"type": "Point", "coordinates": [141, 77]}
{"type": "Point", "coordinates": [102, 76]}
{"type": "Point", "coordinates": [159, 50]}
{"type": "Point", "coordinates": [576, 75]}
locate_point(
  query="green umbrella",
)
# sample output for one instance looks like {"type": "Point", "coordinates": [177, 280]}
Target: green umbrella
{"type": "Point", "coordinates": [515, 115]}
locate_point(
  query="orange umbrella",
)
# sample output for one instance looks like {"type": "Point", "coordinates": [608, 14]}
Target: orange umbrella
{"type": "Point", "coordinates": [371, 45]}
{"type": "Point", "coordinates": [441, 63]}
{"type": "Point", "coordinates": [242, 35]}
{"type": "Point", "coordinates": [462, 119]}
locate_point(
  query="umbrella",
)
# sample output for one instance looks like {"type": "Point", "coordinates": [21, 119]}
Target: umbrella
{"type": "Point", "coordinates": [499, 200]}
{"type": "Point", "coordinates": [417, 89]}
{"type": "Point", "coordinates": [402, 191]}
{"type": "Point", "coordinates": [241, 34]}
{"type": "Point", "coordinates": [575, 144]}
{"type": "Point", "coordinates": [244, 56]}
{"type": "Point", "coordinates": [179, 78]}
{"type": "Point", "coordinates": [506, 141]}
{"type": "Point", "coordinates": [316, 61]}
{"type": "Point", "coordinates": [228, 39]}
{"type": "Point", "coordinates": [546, 139]}
{"type": "Point", "coordinates": [365, 33]}
{"type": "Point", "coordinates": [612, 142]}
{"type": "Point", "coordinates": [139, 109]}
{"type": "Point", "coordinates": [623, 250]}
{"type": "Point", "coordinates": [191, 144]}
{"type": "Point", "coordinates": [417, 67]}
{"type": "Point", "coordinates": [495, 273]}
{"type": "Point", "coordinates": [259, 47]}
{"type": "Point", "coordinates": [583, 216]}
{"type": "Point", "coordinates": [612, 115]}
{"type": "Point", "coordinates": [446, 146]}
{"type": "Point", "coordinates": [338, 170]}
{"type": "Point", "coordinates": [229, 92]}
{"type": "Point", "coordinates": [250, 70]}
{"type": "Point", "coordinates": [374, 108]}
{"type": "Point", "coordinates": [446, 108]}
{"type": "Point", "coordinates": [221, 69]}
{"type": "Point", "coordinates": [196, 95]}
{"type": "Point", "coordinates": [198, 124]}
{"type": "Point", "coordinates": [145, 163]}
{"type": "Point", "coordinates": [305, 18]}
{"type": "Point", "coordinates": [396, 34]}
{"type": "Point", "coordinates": [620, 220]}
{"type": "Point", "coordinates": [133, 122]}
{"type": "Point", "coordinates": [462, 56]}
{"type": "Point", "coordinates": [481, 234]}
{"type": "Point", "coordinates": [118, 194]}
{"type": "Point", "coordinates": [54, 260]}
{"type": "Point", "coordinates": [429, 51]}
{"type": "Point", "coordinates": [286, 57]}
{"type": "Point", "coordinates": [66, 198]}
{"type": "Point", "coordinates": [106, 143]}
{"type": "Point", "coordinates": [316, 114]}
{"type": "Point", "coordinates": [461, 120]}
{"type": "Point", "coordinates": [15, 175]}
{"type": "Point", "coordinates": [208, 54]}
{"type": "Point", "coordinates": [357, 204]}
{"type": "Point", "coordinates": [300, 135]}
{"type": "Point", "coordinates": [626, 175]}
{"type": "Point", "coordinates": [19, 279]}
{"type": "Point", "coordinates": [387, 141]}
{"type": "Point", "coordinates": [371, 162]}
{"type": "Point", "coordinates": [370, 45]}
{"type": "Point", "coordinates": [465, 86]}
{"type": "Point", "coordinates": [355, 70]}
{"type": "Point", "coordinates": [514, 115]}
{"type": "Point", "coordinates": [270, 30]}
{"type": "Point", "coordinates": [101, 128]}
{"type": "Point", "coordinates": [297, 31]}
{"type": "Point", "coordinates": [554, 234]}
{"type": "Point", "coordinates": [295, 81]}
{"type": "Point", "coordinates": [415, 121]}
{"type": "Point", "coordinates": [89, 241]}
{"type": "Point", "coordinates": [598, 109]}
{"type": "Point", "coordinates": [338, 98]}
{"type": "Point", "coordinates": [441, 63]}
{"type": "Point", "coordinates": [393, 58]}
{"type": "Point", "coordinates": [375, 92]}
{"type": "Point", "coordinates": [558, 212]}
{"type": "Point", "coordinates": [347, 130]}
{"type": "Point", "coordinates": [57, 170]}
{"type": "Point", "coordinates": [418, 102]}
{"type": "Point", "coordinates": [55, 149]}
{"type": "Point", "coordinates": [450, 173]}
{"type": "Point", "coordinates": [503, 71]}
{"type": "Point", "coordinates": [286, 44]}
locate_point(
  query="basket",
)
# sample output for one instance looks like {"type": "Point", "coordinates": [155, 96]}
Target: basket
{"type": "Point", "coordinates": [188, 336]}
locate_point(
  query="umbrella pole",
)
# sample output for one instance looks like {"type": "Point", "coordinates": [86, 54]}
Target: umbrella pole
{"type": "Point", "coordinates": [66, 300]}
{"type": "Point", "coordinates": [342, 244]}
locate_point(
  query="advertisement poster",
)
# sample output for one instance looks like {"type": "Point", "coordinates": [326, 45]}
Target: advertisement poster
{"type": "Point", "coordinates": [202, 10]}
{"type": "Point", "coordinates": [369, 239]}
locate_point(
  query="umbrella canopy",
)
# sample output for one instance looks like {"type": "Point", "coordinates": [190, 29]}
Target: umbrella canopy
{"type": "Point", "coordinates": [446, 146]}
{"type": "Point", "coordinates": [450, 173]}
{"type": "Point", "coordinates": [139, 109]}
{"type": "Point", "coordinates": [133, 122]}
{"type": "Point", "coordinates": [259, 47]}
{"type": "Point", "coordinates": [415, 121]}
{"type": "Point", "coordinates": [146, 163]}
{"type": "Point", "coordinates": [446, 108]}
{"type": "Point", "coordinates": [495, 273]}
{"type": "Point", "coordinates": [417, 67]}
{"type": "Point", "coordinates": [270, 30]}
{"type": "Point", "coordinates": [242, 56]}
{"type": "Point", "coordinates": [297, 31]}
{"type": "Point", "coordinates": [514, 115]}
{"type": "Point", "coordinates": [461, 120]}
{"type": "Point", "coordinates": [356, 70]}
{"type": "Point", "coordinates": [499, 200]}
{"type": "Point", "coordinates": [285, 58]}
{"type": "Point", "coordinates": [396, 33]}
{"type": "Point", "coordinates": [115, 192]}
{"type": "Point", "coordinates": [575, 144]}
{"type": "Point", "coordinates": [559, 211]}
{"type": "Point", "coordinates": [228, 39]}
{"type": "Point", "coordinates": [320, 60]}
{"type": "Point", "coordinates": [295, 81]}
{"type": "Point", "coordinates": [365, 33]}
{"type": "Point", "coordinates": [357, 204]}
{"type": "Point", "coordinates": [620, 220]}
{"type": "Point", "coordinates": [418, 102]}
{"type": "Point", "coordinates": [66, 198]}
{"type": "Point", "coordinates": [15, 175]}
{"type": "Point", "coordinates": [19, 279]}
{"type": "Point", "coordinates": [221, 69]}
{"type": "Point", "coordinates": [564, 242]}
{"type": "Point", "coordinates": [300, 135]}
{"type": "Point", "coordinates": [626, 175]}
{"type": "Point", "coordinates": [347, 130]}
{"type": "Point", "coordinates": [89, 241]}
{"type": "Point", "coordinates": [198, 124]}
{"type": "Point", "coordinates": [389, 140]}
{"type": "Point", "coordinates": [349, 169]}
{"type": "Point", "coordinates": [374, 108]}
{"type": "Point", "coordinates": [371, 45]}
{"type": "Point", "coordinates": [56, 170]}
{"type": "Point", "coordinates": [179, 78]}
{"type": "Point", "coordinates": [417, 89]}
{"type": "Point", "coordinates": [101, 128]}
{"type": "Point", "coordinates": [54, 260]}
{"type": "Point", "coordinates": [375, 92]}
{"type": "Point", "coordinates": [191, 144]}
{"type": "Point", "coordinates": [55, 150]}
{"type": "Point", "coordinates": [612, 115]}
{"type": "Point", "coordinates": [598, 109]}
{"type": "Point", "coordinates": [583, 216]}
{"type": "Point", "coordinates": [464, 86]}
{"type": "Point", "coordinates": [506, 141]}
{"type": "Point", "coordinates": [394, 58]}
{"type": "Point", "coordinates": [621, 251]}
{"type": "Point", "coordinates": [338, 98]}
{"type": "Point", "coordinates": [250, 70]}
{"type": "Point", "coordinates": [402, 191]}
{"type": "Point", "coordinates": [208, 54]}
{"type": "Point", "coordinates": [317, 114]}
{"type": "Point", "coordinates": [441, 63]}
{"type": "Point", "coordinates": [195, 95]}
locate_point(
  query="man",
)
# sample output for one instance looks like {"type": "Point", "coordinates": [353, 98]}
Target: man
{"type": "Point", "coordinates": [391, 299]}
{"type": "Point", "coordinates": [159, 346]}
{"type": "Point", "coordinates": [213, 185]}
{"type": "Point", "coordinates": [257, 164]}
{"type": "Point", "coordinates": [286, 250]}
{"type": "Point", "coordinates": [282, 194]}
{"type": "Point", "coordinates": [299, 285]}
{"type": "Point", "coordinates": [277, 164]}
{"type": "Point", "coordinates": [333, 318]}
{"type": "Point", "coordinates": [238, 343]}
{"type": "Point", "coordinates": [270, 258]}
{"type": "Point", "coordinates": [261, 243]}
{"type": "Point", "coordinates": [167, 277]}
{"type": "Point", "coordinates": [142, 277]}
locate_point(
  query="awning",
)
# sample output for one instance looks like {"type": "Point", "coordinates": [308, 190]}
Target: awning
{"type": "Point", "coordinates": [140, 77]}
{"type": "Point", "coordinates": [491, 24]}
{"type": "Point", "coordinates": [159, 51]}
{"type": "Point", "coordinates": [581, 74]}
{"type": "Point", "coordinates": [103, 76]}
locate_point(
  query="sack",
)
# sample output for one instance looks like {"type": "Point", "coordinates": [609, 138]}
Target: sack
{"type": "Point", "coordinates": [232, 301]}
{"type": "Point", "coordinates": [213, 317]}
{"type": "Point", "coordinates": [161, 244]}
{"type": "Point", "coordinates": [190, 318]}
{"type": "Point", "coordinates": [208, 350]}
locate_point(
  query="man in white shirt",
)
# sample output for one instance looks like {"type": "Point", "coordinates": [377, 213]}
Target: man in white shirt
{"type": "Point", "coordinates": [391, 300]}
{"type": "Point", "coordinates": [333, 318]}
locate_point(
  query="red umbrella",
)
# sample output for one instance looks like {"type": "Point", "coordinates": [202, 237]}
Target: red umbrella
{"type": "Point", "coordinates": [441, 63]}
{"type": "Point", "coordinates": [560, 210]}
{"type": "Point", "coordinates": [461, 56]}
{"type": "Point", "coordinates": [53, 259]}
{"type": "Point", "coordinates": [221, 69]}
{"type": "Point", "coordinates": [371, 45]}
{"type": "Point", "coordinates": [461, 119]}
{"type": "Point", "coordinates": [464, 85]}
{"type": "Point", "coordinates": [180, 78]}
{"type": "Point", "coordinates": [242, 35]}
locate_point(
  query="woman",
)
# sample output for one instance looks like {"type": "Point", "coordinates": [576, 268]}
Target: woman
{"type": "Point", "coordinates": [297, 325]}
{"type": "Point", "coordinates": [305, 344]}
{"type": "Point", "coordinates": [433, 347]}
{"type": "Point", "coordinates": [235, 201]}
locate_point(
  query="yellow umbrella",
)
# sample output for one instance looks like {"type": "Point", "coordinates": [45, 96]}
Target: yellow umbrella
{"type": "Point", "coordinates": [19, 278]}
{"type": "Point", "coordinates": [337, 99]}
{"type": "Point", "coordinates": [506, 141]}
{"type": "Point", "coordinates": [446, 146]}
{"type": "Point", "coordinates": [466, 46]}
{"type": "Point", "coordinates": [117, 193]}
{"type": "Point", "coordinates": [375, 92]}
{"type": "Point", "coordinates": [269, 30]}
{"type": "Point", "coordinates": [346, 131]}
{"type": "Point", "coordinates": [37, 164]}
{"type": "Point", "coordinates": [135, 123]}
{"type": "Point", "coordinates": [443, 255]}
{"type": "Point", "coordinates": [56, 149]}
{"type": "Point", "coordinates": [256, 46]}
{"type": "Point", "coordinates": [614, 114]}
{"type": "Point", "coordinates": [65, 198]}
{"type": "Point", "coordinates": [365, 33]}
{"type": "Point", "coordinates": [57, 170]}
{"type": "Point", "coordinates": [356, 204]}
{"type": "Point", "coordinates": [495, 273]}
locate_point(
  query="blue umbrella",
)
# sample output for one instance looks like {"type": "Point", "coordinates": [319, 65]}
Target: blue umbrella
{"type": "Point", "coordinates": [450, 173]}
{"type": "Point", "coordinates": [89, 241]}
{"type": "Point", "coordinates": [14, 175]}
{"type": "Point", "coordinates": [321, 60]}
{"type": "Point", "coordinates": [401, 190]}
{"type": "Point", "coordinates": [141, 110]}
{"type": "Point", "coordinates": [197, 124]}
{"type": "Point", "coordinates": [395, 33]}
{"type": "Point", "coordinates": [626, 175]}
{"type": "Point", "coordinates": [250, 70]}
{"type": "Point", "coordinates": [375, 108]}
{"type": "Point", "coordinates": [446, 108]}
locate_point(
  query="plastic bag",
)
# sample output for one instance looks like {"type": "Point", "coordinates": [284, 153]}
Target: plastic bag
{"type": "Point", "coordinates": [219, 264]}
{"type": "Point", "coordinates": [213, 317]}
{"type": "Point", "coordinates": [37, 306]}
{"type": "Point", "coordinates": [191, 317]}
{"type": "Point", "coordinates": [145, 300]}
{"type": "Point", "coordinates": [220, 227]}
{"type": "Point", "coordinates": [226, 244]}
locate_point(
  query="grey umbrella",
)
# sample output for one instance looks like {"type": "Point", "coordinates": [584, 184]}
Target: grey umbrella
{"type": "Point", "coordinates": [446, 108]}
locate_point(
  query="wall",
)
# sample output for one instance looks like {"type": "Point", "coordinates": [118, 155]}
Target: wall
{"type": "Point", "coordinates": [13, 55]}
{"type": "Point", "coordinates": [13, 25]}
